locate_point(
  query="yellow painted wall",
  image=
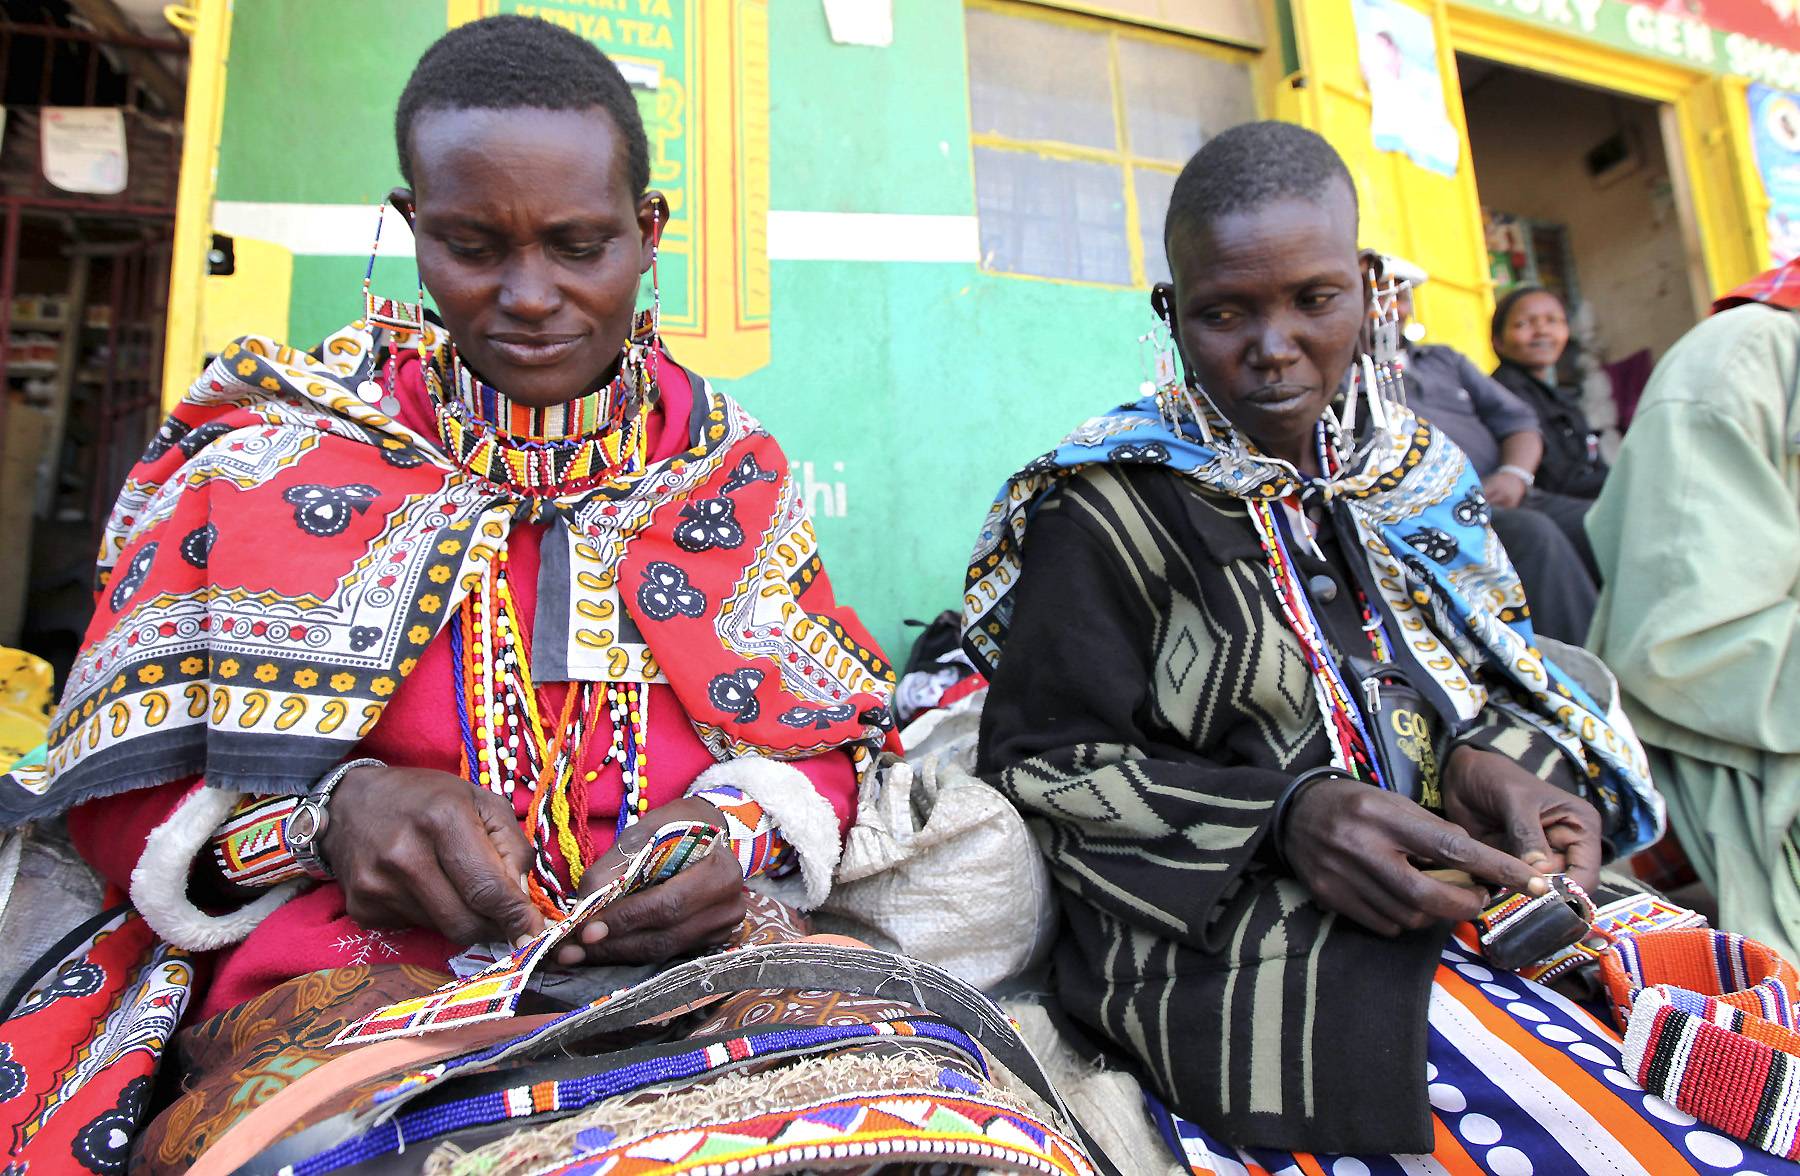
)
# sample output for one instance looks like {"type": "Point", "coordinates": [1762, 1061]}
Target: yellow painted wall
{"type": "Point", "coordinates": [1430, 219]}
{"type": "Point", "coordinates": [207, 25]}
{"type": "Point", "coordinates": [251, 301]}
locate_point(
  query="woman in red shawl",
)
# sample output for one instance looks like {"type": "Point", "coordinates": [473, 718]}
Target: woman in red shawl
{"type": "Point", "coordinates": [402, 645]}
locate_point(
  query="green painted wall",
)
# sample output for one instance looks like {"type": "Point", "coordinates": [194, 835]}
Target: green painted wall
{"type": "Point", "coordinates": [928, 382]}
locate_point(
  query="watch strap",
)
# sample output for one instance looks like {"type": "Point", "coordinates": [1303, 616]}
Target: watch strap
{"type": "Point", "coordinates": [306, 825]}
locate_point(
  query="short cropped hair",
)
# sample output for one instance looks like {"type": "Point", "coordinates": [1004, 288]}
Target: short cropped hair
{"type": "Point", "coordinates": [509, 62]}
{"type": "Point", "coordinates": [1249, 166]}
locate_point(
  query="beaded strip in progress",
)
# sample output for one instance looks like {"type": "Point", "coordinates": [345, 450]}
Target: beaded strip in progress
{"type": "Point", "coordinates": [494, 991]}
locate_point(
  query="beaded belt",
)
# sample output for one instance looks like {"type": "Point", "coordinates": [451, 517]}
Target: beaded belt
{"type": "Point", "coordinates": [553, 1090]}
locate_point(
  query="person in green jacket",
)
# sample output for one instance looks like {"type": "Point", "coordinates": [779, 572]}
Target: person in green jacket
{"type": "Point", "coordinates": [1698, 537]}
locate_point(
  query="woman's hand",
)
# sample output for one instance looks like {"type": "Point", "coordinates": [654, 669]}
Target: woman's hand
{"type": "Point", "coordinates": [1503, 490]}
{"type": "Point", "coordinates": [1505, 806]}
{"type": "Point", "coordinates": [1363, 852]}
{"type": "Point", "coordinates": [414, 847]}
{"type": "Point", "coordinates": [699, 907]}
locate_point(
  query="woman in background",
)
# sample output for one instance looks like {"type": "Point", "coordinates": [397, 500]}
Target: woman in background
{"type": "Point", "coordinates": [1530, 332]}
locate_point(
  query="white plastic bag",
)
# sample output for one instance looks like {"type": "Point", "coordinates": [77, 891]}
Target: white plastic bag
{"type": "Point", "coordinates": [940, 866]}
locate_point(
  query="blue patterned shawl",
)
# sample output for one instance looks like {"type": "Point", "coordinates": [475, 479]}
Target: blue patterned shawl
{"type": "Point", "coordinates": [1447, 588]}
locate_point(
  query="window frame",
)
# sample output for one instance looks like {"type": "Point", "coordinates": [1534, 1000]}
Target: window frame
{"type": "Point", "coordinates": [1121, 155]}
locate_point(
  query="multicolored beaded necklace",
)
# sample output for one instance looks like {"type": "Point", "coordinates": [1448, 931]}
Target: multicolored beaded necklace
{"type": "Point", "coordinates": [1343, 721]}
{"type": "Point", "coordinates": [1344, 726]}
{"type": "Point", "coordinates": [508, 736]}
{"type": "Point", "coordinates": [547, 452]}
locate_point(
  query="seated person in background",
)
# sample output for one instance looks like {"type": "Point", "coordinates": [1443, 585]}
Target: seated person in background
{"type": "Point", "coordinates": [1498, 433]}
{"type": "Point", "coordinates": [1530, 333]}
{"type": "Point", "coordinates": [1698, 533]}
{"type": "Point", "coordinates": [1176, 608]}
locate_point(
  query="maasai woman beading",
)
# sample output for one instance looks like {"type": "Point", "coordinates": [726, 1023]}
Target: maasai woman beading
{"type": "Point", "coordinates": [406, 644]}
{"type": "Point", "coordinates": [1265, 683]}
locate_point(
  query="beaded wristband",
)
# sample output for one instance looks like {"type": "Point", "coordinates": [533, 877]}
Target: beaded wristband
{"type": "Point", "coordinates": [753, 835]}
{"type": "Point", "coordinates": [251, 847]}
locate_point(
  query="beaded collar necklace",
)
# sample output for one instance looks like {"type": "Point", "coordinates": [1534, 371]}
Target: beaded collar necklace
{"type": "Point", "coordinates": [551, 451]}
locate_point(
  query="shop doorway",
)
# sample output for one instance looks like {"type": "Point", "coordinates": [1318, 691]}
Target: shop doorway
{"type": "Point", "coordinates": [84, 273]}
{"type": "Point", "coordinates": [1578, 194]}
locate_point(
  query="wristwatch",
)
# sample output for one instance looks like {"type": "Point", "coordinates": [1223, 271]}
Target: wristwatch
{"type": "Point", "coordinates": [306, 825]}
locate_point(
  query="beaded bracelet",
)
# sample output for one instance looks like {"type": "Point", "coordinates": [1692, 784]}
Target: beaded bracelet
{"type": "Point", "coordinates": [251, 847]}
{"type": "Point", "coordinates": [753, 835]}
{"type": "Point", "coordinates": [252, 851]}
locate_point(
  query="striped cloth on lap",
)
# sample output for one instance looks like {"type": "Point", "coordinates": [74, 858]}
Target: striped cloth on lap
{"type": "Point", "coordinates": [1522, 1081]}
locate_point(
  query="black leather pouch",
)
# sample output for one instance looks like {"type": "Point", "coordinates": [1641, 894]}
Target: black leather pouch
{"type": "Point", "coordinates": [1404, 728]}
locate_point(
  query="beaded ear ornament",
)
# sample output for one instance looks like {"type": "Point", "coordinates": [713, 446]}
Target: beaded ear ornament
{"type": "Point", "coordinates": [1374, 384]}
{"type": "Point", "coordinates": [401, 320]}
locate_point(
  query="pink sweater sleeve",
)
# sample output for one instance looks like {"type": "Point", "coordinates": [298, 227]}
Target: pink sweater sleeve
{"type": "Point", "coordinates": [110, 833]}
{"type": "Point", "coordinates": [834, 777]}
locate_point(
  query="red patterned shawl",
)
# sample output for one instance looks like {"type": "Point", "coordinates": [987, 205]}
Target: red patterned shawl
{"type": "Point", "coordinates": [1777, 287]}
{"type": "Point", "coordinates": [283, 553]}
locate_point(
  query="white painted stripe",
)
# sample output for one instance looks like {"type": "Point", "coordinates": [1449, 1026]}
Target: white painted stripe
{"type": "Point", "coordinates": [345, 230]}
{"type": "Point", "coordinates": [340, 230]}
{"type": "Point", "coordinates": [1591, 1147]}
{"type": "Point", "coordinates": [872, 236]}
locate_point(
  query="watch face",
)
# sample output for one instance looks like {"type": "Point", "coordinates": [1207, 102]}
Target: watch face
{"type": "Point", "coordinates": [303, 826]}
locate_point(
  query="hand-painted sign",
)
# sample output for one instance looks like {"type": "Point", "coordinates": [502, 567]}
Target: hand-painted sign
{"type": "Point", "coordinates": [1735, 39]}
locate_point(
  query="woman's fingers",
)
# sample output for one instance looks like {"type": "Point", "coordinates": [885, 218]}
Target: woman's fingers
{"type": "Point", "coordinates": [485, 887]}
{"type": "Point", "coordinates": [1441, 843]}
{"type": "Point", "coordinates": [503, 831]}
{"type": "Point", "coordinates": [1374, 906]}
{"type": "Point", "coordinates": [1523, 822]}
{"type": "Point", "coordinates": [1580, 850]}
{"type": "Point", "coordinates": [440, 907]}
{"type": "Point", "coordinates": [698, 907]}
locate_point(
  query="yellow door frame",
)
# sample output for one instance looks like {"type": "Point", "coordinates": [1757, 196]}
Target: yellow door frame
{"type": "Point", "coordinates": [1705, 125]}
{"type": "Point", "coordinates": [1431, 219]}
{"type": "Point", "coordinates": [207, 25]}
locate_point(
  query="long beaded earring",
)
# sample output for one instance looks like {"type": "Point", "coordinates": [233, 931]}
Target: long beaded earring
{"type": "Point", "coordinates": [657, 208]}
{"type": "Point", "coordinates": [392, 315]}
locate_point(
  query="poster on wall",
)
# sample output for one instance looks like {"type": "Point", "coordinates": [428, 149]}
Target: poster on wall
{"type": "Point", "coordinates": [84, 149]}
{"type": "Point", "coordinates": [1775, 132]}
{"type": "Point", "coordinates": [1399, 55]}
